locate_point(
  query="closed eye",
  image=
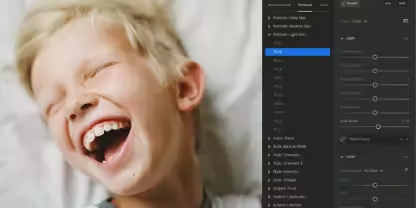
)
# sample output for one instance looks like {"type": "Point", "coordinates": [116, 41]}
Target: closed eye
{"type": "Point", "coordinates": [53, 100]}
{"type": "Point", "coordinates": [107, 64]}
{"type": "Point", "coordinates": [100, 67]}
{"type": "Point", "coordinates": [50, 109]}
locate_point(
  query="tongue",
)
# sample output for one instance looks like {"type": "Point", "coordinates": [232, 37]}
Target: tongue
{"type": "Point", "coordinates": [112, 149]}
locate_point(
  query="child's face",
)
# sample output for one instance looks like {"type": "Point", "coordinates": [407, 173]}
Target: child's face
{"type": "Point", "coordinates": [88, 76]}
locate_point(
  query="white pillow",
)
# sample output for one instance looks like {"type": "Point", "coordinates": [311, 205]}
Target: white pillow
{"type": "Point", "coordinates": [224, 36]}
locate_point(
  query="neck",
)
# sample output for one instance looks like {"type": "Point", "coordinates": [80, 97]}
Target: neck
{"type": "Point", "coordinates": [183, 188]}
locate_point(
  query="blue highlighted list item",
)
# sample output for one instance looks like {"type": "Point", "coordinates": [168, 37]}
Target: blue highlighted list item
{"type": "Point", "coordinates": [297, 52]}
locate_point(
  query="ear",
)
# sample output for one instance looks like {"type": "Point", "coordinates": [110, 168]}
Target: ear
{"type": "Point", "coordinates": [190, 88]}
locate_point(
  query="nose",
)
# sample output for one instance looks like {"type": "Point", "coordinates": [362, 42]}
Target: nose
{"type": "Point", "coordinates": [80, 106]}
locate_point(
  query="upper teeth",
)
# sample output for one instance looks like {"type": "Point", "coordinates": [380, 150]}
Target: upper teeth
{"type": "Point", "coordinates": [99, 130]}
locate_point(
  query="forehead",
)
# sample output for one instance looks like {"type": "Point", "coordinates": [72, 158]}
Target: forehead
{"type": "Point", "coordinates": [80, 41]}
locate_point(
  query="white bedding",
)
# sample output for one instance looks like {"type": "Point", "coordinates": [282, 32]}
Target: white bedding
{"type": "Point", "coordinates": [224, 36]}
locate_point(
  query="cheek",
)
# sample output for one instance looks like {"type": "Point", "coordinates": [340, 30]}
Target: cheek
{"type": "Point", "coordinates": [63, 142]}
{"type": "Point", "coordinates": [151, 106]}
{"type": "Point", "coordinates": [119, 85]}
{"type": "Point", "coordinates": [134, 89]}
{"type": "Point", "coordinates": [154, 112]}
{"type": "Point", "coordinates": [60, 135]}
{"type": "Point", "coordinates": [158, 121]}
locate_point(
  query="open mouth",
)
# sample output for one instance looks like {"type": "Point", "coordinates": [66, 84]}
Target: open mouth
{"type": "Point", "coordinates": [104, 140]}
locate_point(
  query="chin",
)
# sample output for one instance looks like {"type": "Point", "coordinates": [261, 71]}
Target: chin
{"type": "Point", "coordinates": [134, 177]}
{"type": "Point", "coordinates": [134, 165]}
{"type": "Point", "coordinates": [130, 182]}
{"type": "Point", "coordinates": [123, 186]}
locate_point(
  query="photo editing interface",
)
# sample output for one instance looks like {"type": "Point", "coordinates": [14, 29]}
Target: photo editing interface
{"type": "Point", "coordinates": [338, 108]}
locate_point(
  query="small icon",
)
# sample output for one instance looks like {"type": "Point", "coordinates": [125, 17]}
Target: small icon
{"type": "Point", "coordinates": [268, 26]}
{"type": "Point", "coordinates": [268, 17]}
{"type": "Point", "coordinates": [269, 34]}
{"type": "Point", "coordinates": [405, 21]}
{"type": "Point", "coordinates": [406, 169]}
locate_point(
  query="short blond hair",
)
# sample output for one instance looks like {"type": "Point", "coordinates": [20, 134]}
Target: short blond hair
{"type": "Point", "coordinates": [145, 22]}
